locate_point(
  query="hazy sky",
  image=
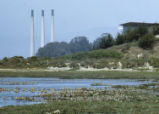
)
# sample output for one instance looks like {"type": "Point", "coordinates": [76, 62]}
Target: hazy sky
{"type": "Point", "coordinates": [72, 18]}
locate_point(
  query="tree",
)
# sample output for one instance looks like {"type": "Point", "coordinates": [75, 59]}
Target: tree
{"type": "Point", "coordinates": [134, 35]}
{"type": "Point", "coordinates": [142, 30]}
{"type": "Point", "coordinates": [79, 44]}
{"type": "Point", "coordinates": [54, 49]}
{"type": "Point", "coordinates": [120, 39]}
{"type": "Point", "coordinates": [155, 30]}
{"type": "Point", "coordinates": [146, 41]}
{"type": "Point", "coordinates": [106, 41]}
{"type": "Point", "coordinates": [96, 43]}
{"type": "Point", "coordinates": [5, 59]}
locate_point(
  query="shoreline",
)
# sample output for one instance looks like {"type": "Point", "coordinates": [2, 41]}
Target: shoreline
{"type": "Point", "coordinates": [81, 69]}
{"type": "Point", "coordinates": [80, 74]}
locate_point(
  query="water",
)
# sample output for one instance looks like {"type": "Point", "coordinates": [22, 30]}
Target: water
{"type": "Point", "coordinates": [9, 97]}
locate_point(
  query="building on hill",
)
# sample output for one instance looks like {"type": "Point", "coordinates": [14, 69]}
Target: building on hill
{"type": "Point", "coordinates": [134, 25]}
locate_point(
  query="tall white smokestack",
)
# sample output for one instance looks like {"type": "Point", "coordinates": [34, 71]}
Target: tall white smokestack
{"type": "Point", "coordinates": [42, 30]}
{"type": "Point", "coordinates": [52, 25]}
{"type": "Point", "coordinates": [32, 34]}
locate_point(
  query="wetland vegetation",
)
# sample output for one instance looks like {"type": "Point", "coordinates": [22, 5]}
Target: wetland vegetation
{"type": "Point", "coordinates": [96, 95]}
{"type": "Point", "coordinates": [125, 100]}
{"type": "Point", "coordinates": [80, 74]}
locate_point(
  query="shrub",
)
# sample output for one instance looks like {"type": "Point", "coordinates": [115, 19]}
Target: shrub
{"type": "Point", "coordinates": [58, 63]}
{"type": "Point", "coordinates": [132, 35]}
{"type": "Point", "coordinates": [74, 65]}
{"type": "Point", "coordinates": [136, 34]}
{"type": "Point", "coordinates": [5, 59]}
{"type": "Point", "coordinates": [146, 41]}
{"type": "Point", "coordinates": [96, 54]}
{"type": "Point", "coordinates": [155, 30]}
{"type": "Point", "coordinates": [154, 62]}
{"type": "Point", "coordinates": [99, 65]}
{"type": "Point", "coordinates": [1, 63]}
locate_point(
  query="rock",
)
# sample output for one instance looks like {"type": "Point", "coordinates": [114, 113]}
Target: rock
{"type": "Point", "coordinates": [157, 36]}
{"type": "Point", "coordinates": [59, 69]}
{"type": "Point", "coordinates": [120, 65]}
{"type": "Point", "coordinates": [57, 112]}
{"type": "Point", "coordinates": [140, 55]}
{"type": "Point", "coordinates": [147, 65]}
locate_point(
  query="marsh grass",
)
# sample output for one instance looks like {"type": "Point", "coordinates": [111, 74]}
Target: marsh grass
{"type": "Point", "coordinates": [97, 84]}
{"type": "Point", "coordinates": [120, 86]}
{"type": "Point", "coordinates": [125, 101]}
{"type": "Point", "coordinates": [81, 75]}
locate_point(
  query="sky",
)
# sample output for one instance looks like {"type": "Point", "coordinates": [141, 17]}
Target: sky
{"type": "Point", "coordinates": [73, 18]}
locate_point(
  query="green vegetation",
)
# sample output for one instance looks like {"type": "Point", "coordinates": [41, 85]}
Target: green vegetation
{"type": "Point", "coordinates": [126, 54]}
{"type": "Point", "coordinates": [97, 84]}
{"type": "Point", "coordinates": [81, 75]}
{"type": "Point", "coordinates": [56, 49]}
{"type": "Point", "coordinates": [147, 41]}
{"type": "Point", "coordinates": [144, 37]}
{"type": "Point", "coordinates": [120, 86]}
{"type": "Point", "coordinates": [96, 54]}
{"type": "Point", "coordinates": [155, 30]}
{"type": "Point", "coordinates": [106, 40]}
{"type": "Point", "coordinates": [120, 39]}
{"type": "Point", "coordinates": [103, 42]}
{"type": "Point", "coordinates": [92, 101]}
{"type": "Point", "coordinates": [86, 57]}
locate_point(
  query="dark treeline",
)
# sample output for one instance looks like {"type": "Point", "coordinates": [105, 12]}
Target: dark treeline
{"type": "Point", "coordinates": [78, 44]}
{"type": "Point", "coordinates": [142, 35]}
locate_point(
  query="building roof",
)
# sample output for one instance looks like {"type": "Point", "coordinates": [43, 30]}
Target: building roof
{"type": "Point", "coordinates": [139, 24]}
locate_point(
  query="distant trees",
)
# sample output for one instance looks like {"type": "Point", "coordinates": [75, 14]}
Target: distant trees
{"type": "Point", "coordinates": [54, 49]}
{"type": "Point", "coordinates": [96, 43]}
{"type": "Point", "coordinates": [78, 44]}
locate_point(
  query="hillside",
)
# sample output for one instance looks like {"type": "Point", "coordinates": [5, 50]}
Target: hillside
{"type": "Point", "coordinates": [131, 50]}
{"type": "Point", "coordinates": [125, 56]}
{"type": "Point", "coordinates": [126, 51]}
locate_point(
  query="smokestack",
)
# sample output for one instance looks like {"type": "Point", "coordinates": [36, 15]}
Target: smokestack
{"type": "Point", "coordinates": [32, 34]}
{"type": "Point", "coordinates": [52, 25]}
{"type": "Point", "coordinates": [42, 30]}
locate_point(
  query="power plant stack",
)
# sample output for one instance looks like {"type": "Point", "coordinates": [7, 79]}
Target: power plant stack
{"type": "Point", "coordinates": [32, 34]}
{"type": "Point", "coordinates": [42, 30]}
{"type": "Point", "coordinates": [32, 47]}
{"type": "Point", "coordinates": [52, 25]}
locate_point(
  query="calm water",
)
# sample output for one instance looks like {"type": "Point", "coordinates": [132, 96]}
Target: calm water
{"type": "Point", "coordinates": [8, 97]}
